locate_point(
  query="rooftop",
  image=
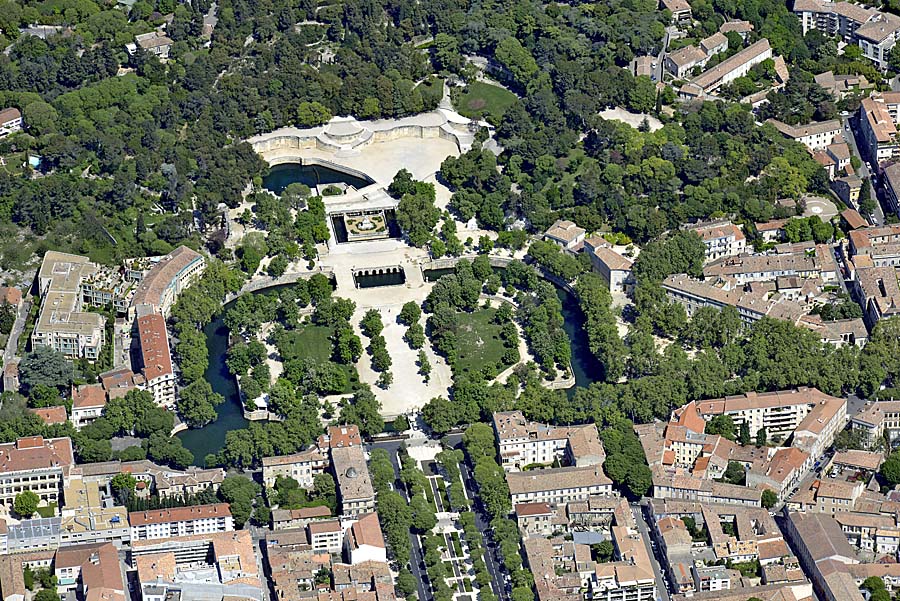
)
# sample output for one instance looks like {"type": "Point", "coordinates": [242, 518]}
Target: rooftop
{"type": "Point", "coordinates": [352, 474]}
{"type": "Point", "coordinates": [154, 341]}
{"type": "Point", "coordinates": [36, 453]}
{"type": "Point", "coordinates": [178, 514]}
{"type": "Point", "coordinates": [556, 479]}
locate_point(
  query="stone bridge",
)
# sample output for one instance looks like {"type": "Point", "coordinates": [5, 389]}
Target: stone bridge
{"type": "Point", "coordinates": [262, 282]}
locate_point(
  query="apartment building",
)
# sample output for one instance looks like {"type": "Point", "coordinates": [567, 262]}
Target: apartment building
{"type": "Point", "coordinates": [523, 443]}
{"type": "Point", "coordinates": [558, 486]}
{"type": "Point", "coordinates": [160, 287]}
{"type": "Point", "coordinates": [289, 519]}
{"type": "Point", "coordinates": [722, 239]}
{"type": "Point", "coordinates": [873, 31]}
{"type": "Point", "coordinates": [891, 175]}
{"type": "Point", "coordinates": [41, 465]}
{"type": "Point", "coordinates": [825, 555]}
{"type": "Point", "coordinates": [805, 412]}
{"type": "Point", "coordinates": [326, 536]}
{"type": "Point", "coordinates": [680, 9]}
{"type": "Point", "coordinates": [88, 403]}
{"type": "Point", "coordinates": [180, 521]}
{"type": "Point", "coordinates": [156, 359]}
{"type": "Point", "coordinates": [815, 136]}
{"type": "Point", "coordinates": [62, 324]}
{"type": "Point", "coordinates": [880, 244]}
{"type": "Point", "coordinates": [354, 486]}
{"type": "Point", "coordinates": [221, 565]}
{"type": "Point", "coordinates": [302, 467]}
{"type": "Point", "coordinates": [564, 569]}
{"type": "Point", "coordinates": [808, 261]}
{"type": "Point", "coordinates": [90, 571]}
{"type": "Point", "coordinates": [878, 129]}
{"type": "Point", "coordinates": [829, 496]}
{"type": "Point", "coordinates": [870, 532]}
{"type": "Point", "coordinates": [878, 420]}
{"type": "Point", "coordinates": [738, 65]}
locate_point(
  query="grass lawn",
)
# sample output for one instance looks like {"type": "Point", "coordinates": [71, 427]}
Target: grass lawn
{"type": "Point", "coordinates": [484, 100]}
{"type": "Point", "coordinates": [306, 342]}
{"type": "Point", "coordinates": [313, 342]}
{"type": "Point", "coordinates": [47, 512]}
{"type": "Point", "coordinates": [432, 89]}
{"type": "Point", "coordinates": [479, 342]}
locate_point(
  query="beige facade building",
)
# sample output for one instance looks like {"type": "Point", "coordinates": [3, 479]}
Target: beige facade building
{"type": "Point", "coordinates": [41, 465]}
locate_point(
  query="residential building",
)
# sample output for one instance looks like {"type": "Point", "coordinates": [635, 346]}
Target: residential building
{"type": "Point", "coordinates": [879, 419]}
{"type": "Point", "coordinates": [815, 136]}
{"type": "Point", "coordinates": [824, 553]}
{"type": "Point", "coordinates": [812, 416]}
{"type": "Point", "coordinates": [166, 482]}
{"type": "Point", "coordinates": [842, 85]}
{"type": "Point", "coordinates": [811, 260]}
{"type": "Point", "coordinates": [891, 175]}
{"type": "Point", "coordinates": [10, 295]}
{"type": "Point", "coordinates": [354, 486]}
{"type": "Point", "coordinates": [564, 570]}
{"type": "Point", "coordinates": [742, 28]}
{"type": "Point", "coordinates": [92, 571]}
{"type": "Point", "coordinates": [680, 9]}
{"type": "Point", "coordinates": [771, 231]}
{"type": "Point", "coordinates": [156, 359]}
{"type": "Point", "coordinates": [155, 43]}
{"type": "Point", "coordinates": [876, 289]}
{"type": "Point", "coordinates": [88, 402]}
{"type": "Point", "coordinates": [722, 239]}
{"type": "Point", "coordinates": [535, 518]}
{"type": "Point", "coordinates": [364, 541]}
{"type": "Point", "coordinates": [10, 121]}
{"type": "Point", "coordinates": [62, 324]}
{"type": "Point", "coordinates": [558, 486]}
{"type": "Point", "coordinates": [829, 496]}
{"type": "Point", "coordinates": [853, 220]}
{"type": "Point", "coordinates": [302, 467]}
{"type": "Point", "coordinates": [873, 31]}
{"type": "Point", "coordinates": [879, 130]}
{"type": "Point", "coordinates": [180, 521]}
{"type": "Point", "coordinates": [682, 62]}
{"type": "Point", "coordinates": [612, 266]}
{"type": "Point", "coordinates": [847, 188]}
{"type": "Point", "coordinates": [289, 519]}
{"type": "Point", "coordinates": [220, 565]}
{"type": "Point", "coordinates": [118, 382]}
{"type": "Point", "coordinates": [160, 287]}
{"type": "Point", "coordinates": [566, 234]}
{"type": "Point", "coordinates": [50, 415]}
{"type": "Point", "coordinates": [41, 465]}
{"type": "Point", "coordinates": [326, 536]}
{"type": "Point", "coordinates": [525, 443]}
{"type": "Point", "coordinates": [738, 65]}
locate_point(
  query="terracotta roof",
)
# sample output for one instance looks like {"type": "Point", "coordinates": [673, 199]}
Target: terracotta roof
{"type": "Point", "coordinates": [178, 514]}
{"type": "Point", "coordinates": [151, 288]}
{"type": "Point", "coordinates": [564, 230]}
{"type": "Point", "coordinates": [530, 509]}
{"type": "Point", "coordinates": [344, 436]}
{"type": "Point", "coordinates": [854, 219]}
{"type": "Point", "coordinates": [366, 531]}
{"type": "Point", "coordinates": [36, 453]}
{"type": "Point", "coordinates": [51, 415]}
{"type": "Point", "coordinates": [88, 395]}
{"type": "Point", "coordinates": [324, 526]}
{"type": "Point", "coordinates": [11, 296]}
{"type": "Point", "coordinates": [155, 355]}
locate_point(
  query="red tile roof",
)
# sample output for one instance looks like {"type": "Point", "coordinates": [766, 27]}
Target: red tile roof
{"type": "Point", "coordinates": [51, 415]}
{"type": "Point", "coordinates": [178, 514]}
{"type": "Point", "coordinates": [88, 395]}
{"type": "Point", "coordinates": [35, 453]}
{"type": "Point", "coordinates": [11, 296]}
{"type": "Point", "coordinates": [154, 341]}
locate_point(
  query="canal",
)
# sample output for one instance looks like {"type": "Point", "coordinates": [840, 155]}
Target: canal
{"type": "Point", "coordinates": [211, 438]}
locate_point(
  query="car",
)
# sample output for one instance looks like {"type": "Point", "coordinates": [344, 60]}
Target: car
{"type": "Point", "coordinates": [845, 114]}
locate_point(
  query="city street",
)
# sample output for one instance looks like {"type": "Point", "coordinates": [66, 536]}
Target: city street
{"type": "Point", "coordinates": [661, 588]}
{"type": "Point", "coordinates": [851, 131]}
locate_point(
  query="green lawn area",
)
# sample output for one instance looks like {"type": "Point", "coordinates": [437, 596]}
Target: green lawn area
{"type": "Point", "coordinates": [47, 512]}
{"type": "Point", "coordinates": [479, 342]}
{"type": "Point", "coordinates": [313, 342]}
{"type": "Point", "coordinates": [484, 100]}
{"type": "Point", "coordinates": [432, 89]}
{"type": "Point", "coordinates": [306, 342]}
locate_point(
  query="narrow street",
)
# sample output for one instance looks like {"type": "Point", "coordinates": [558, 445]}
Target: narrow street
{"type": "Point", "coordinates": [662, 591]}
{"type": "Point", "coordinates": [850, 133]}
